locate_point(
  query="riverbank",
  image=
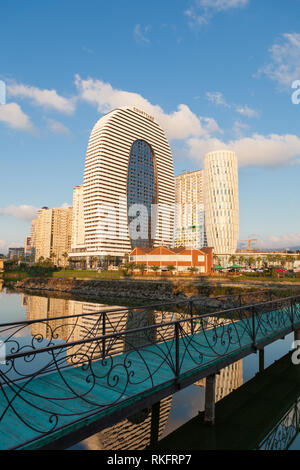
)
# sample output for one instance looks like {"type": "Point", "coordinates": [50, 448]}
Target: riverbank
{"type": "Point", "coordinates": [152, 290]}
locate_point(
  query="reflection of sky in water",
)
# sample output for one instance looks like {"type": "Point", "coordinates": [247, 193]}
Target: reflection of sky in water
{"type": "Point", "coordinates": [11, 310]}
{"type": "Point", "coordinates": [185, 404]}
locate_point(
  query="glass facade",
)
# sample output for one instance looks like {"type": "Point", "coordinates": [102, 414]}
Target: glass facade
{"type": "Point", "coordinates": [141, 189]}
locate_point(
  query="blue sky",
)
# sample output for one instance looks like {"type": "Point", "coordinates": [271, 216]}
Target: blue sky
{"type": "Point", "coordinates": [215, 73]}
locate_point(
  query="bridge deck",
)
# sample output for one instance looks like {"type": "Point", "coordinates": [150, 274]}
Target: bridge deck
{"type": "Point", "coordinates": [46, 408]}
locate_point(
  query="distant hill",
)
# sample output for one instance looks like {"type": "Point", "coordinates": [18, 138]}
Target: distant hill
{"type": "Point", "coordinates": [289, 248]}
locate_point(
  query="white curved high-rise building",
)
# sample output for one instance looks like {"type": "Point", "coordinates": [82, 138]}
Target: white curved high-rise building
{"type": "Point", "coordinates": [221, 201]}
{"type": "Point", "coordinates": [128, 163]}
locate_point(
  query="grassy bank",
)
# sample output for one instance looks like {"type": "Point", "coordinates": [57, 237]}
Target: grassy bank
{"type": "Point", "coordinates": [70, 274]}
{"type": "Point", "coordinates": [86, 274]}
{"type": "Point", "coordinates": [14, 276]}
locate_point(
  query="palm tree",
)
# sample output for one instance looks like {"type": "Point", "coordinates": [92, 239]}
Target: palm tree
{"type": "Point", "coordinates": [232, 259]}
{"type": "Point", "coordinates": [66, 258]}
{"type": "Point", "coordinates": [108, 258]}
{"type": "Point", "coordinates": [216, 259]}
{"type": "Point", "coordinates": [131, 267]}
{"type": "Point", "coordinates": [242, 260]}
{"type": "Point", "coordinates": [290, 260]}
{"type": "Point", "coordinates": [193, 270]}
{"type": "Point", "coordinates": [142, 268]}
{"type": "Point", "coordinates": [269, 259]}
{"type": "Point", "coordinates": [171, 268]}
{"type": "Point", "coordinates": [154, 268]}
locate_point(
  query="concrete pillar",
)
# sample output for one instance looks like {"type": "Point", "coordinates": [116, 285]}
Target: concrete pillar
{"type": "Point", "coordinates": [261, 360]}
{"type": "Point", "coordinates": [155, 414]}
{"type": "Point", "coordinates": [210, 393]}
{"type": "Point", "coordinates": [297, 335]}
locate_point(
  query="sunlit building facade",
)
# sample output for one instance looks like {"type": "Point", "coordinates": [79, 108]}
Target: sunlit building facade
{"type": "Point", "coordinates": [221, 201]}
{"type": "Point", "coordinates": [51, 234]}
{"type": "Point", "coordinates": [128, 191]}
{"type": "Point", "coordinates": [190, 217]}
{"type": "Point", "coordinates": [78, 233]}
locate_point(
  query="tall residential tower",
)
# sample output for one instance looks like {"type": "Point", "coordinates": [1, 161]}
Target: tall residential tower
{"type": "Point", "coordinates": [190, 220]}
{"type": "Point", "coordinates": [221, 201]}
{"type": "Point", "coordinates": [51, 234]}
{"type": "Point", "coordinates": [128, 191]}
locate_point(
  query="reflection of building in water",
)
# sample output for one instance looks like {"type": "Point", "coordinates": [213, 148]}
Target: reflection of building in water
{"type": "Point", "coordinates": [117, 320]}
{"type": "Point", "coordinates": [1, 285]}
{"type": "Point", "coordinates": [229, 379]}
{"type": "Point", "coordinates": [39, 308]}
{"type": "Point", "coordinates": [90, 323]}
{"type": "Point", "coordinates": [131, 433]}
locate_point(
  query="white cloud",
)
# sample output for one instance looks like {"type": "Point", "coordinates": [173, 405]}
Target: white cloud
{"type": "Point", "coordinates": [197, 132]}
{"type": "Point", "coordinates": [12, 115]}
{"type": "Point", "coordinates": [239, 128]}
{"type": "Point", "coordinates": [48, 99]}
{"type": "Point", "coordinates": [140, 32]}
{"type": "Point", "coordinates": [24, 212]}
{"type": "Point", "coordinates": [284, 65]}
{"type": "Point", "coordinates": [258, 150]}
{"type": "Point", "coordinates": [246, 111]}
{"type": "Point", "coordinates": [217, 98]}
{"type": "Point", "coordinates": [178, 124]}
{"type": "Point", "coordinates": [201, 11]}
{"type": "Point", "coordinates": [4, 245]}
{"type": "Point", "coordinates": [57, 127]}
{"type": "Point", "coordinates": [282, 241]}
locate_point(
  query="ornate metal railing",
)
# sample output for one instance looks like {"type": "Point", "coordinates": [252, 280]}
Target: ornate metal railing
{"type": "Point", "coordinates": [284, 433]}
{"type": "Point", "coordinates": [60, 370]}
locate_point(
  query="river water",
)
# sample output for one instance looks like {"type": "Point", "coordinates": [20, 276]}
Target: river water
{"type": "Point", "coordinates": [176, 410]}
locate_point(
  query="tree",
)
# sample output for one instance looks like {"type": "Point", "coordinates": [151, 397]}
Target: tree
{"type": "Point", "coordinates": [142, 268]}
{"type": "Point", "coordinates": [193, 270]}
{"type": "Point", "coordinates": [171, 268]}
{"type": "Point", "coordinates": [290, 261]}
{"type": "Point", "coordinates": [242, 260]}
{"type": "Point", "coordinates": [232, 259]}
{"type": "Point", "coordinates": [154, 268]}
{"type": "Point", "coordinates": [216, 259]}
{"type": "Point", "coordinates": [129, 267]}
{"type": "Point", "coordinates": [108, 258]}
{"type": "Point", "coordinates": [66, 258]}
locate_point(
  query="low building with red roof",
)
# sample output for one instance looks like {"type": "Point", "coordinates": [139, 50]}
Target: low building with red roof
{"type": "Point", "coordinates": [181, 258]}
